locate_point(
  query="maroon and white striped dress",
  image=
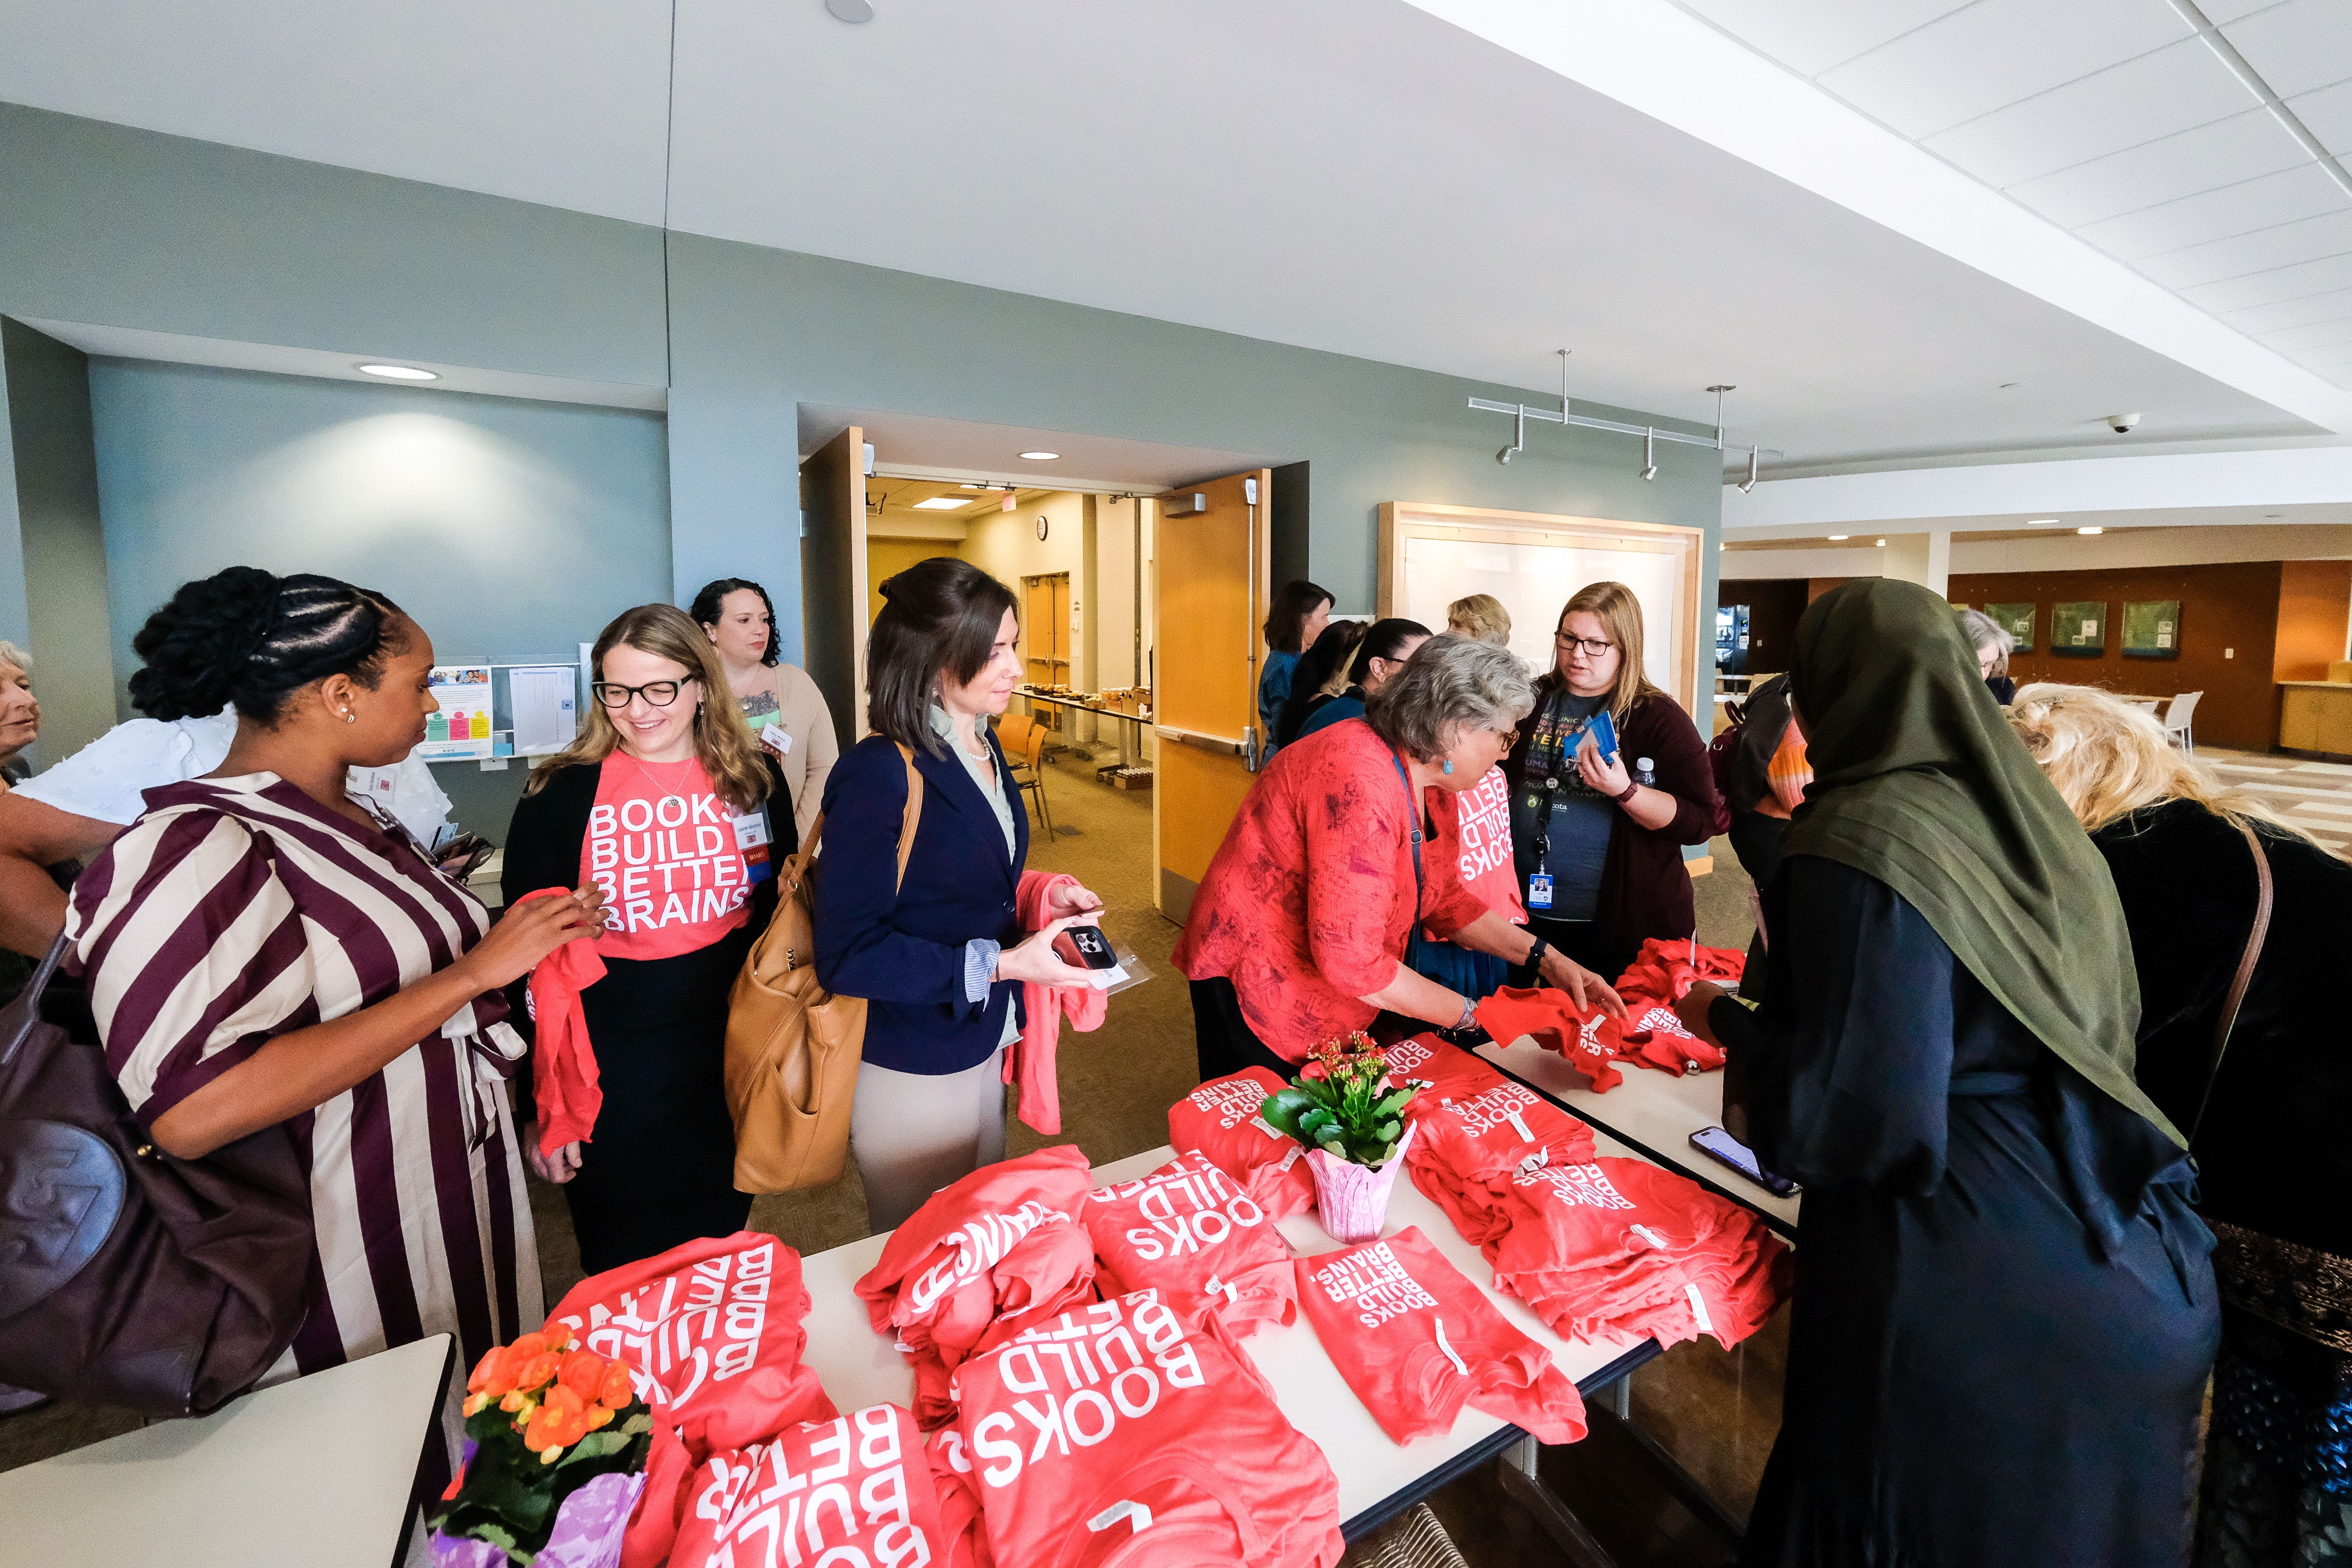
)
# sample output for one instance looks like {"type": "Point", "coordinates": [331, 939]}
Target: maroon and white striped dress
{"type": "Point", "coordinates": [237, 909]}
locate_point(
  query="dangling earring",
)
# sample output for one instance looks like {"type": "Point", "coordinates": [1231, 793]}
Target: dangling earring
{"type": "Point", "coordinates": [1448, 768]}
{"type": "Point", "coordinates": [350, 716]}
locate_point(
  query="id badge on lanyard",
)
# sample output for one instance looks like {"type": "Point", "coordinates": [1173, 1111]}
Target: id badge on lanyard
{"type": "Point", "coordinates": [751, 838]}
{"type": "Point", "coordinates": [1539, 891]}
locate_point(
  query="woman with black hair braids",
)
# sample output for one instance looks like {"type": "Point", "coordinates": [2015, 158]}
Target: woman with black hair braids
{"type": "Point", "coordinates": [263, 949]}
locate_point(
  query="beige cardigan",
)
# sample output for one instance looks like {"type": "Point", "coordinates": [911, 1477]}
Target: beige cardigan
{"type": "Point", "coordinates": [808, 760]}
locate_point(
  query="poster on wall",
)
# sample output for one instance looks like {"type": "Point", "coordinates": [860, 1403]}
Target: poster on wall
{"type": "Point", "coordinates": [2152, 629]}
{"type": "Point", "coordinates": [2017, 620]}
{"type": "Point", "coordinates": [2079, 630]}
{"type": "Point", "coordinates": [462, 727]}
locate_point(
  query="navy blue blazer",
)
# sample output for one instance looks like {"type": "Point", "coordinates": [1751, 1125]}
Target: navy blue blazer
{"type": "Point", "coordinates": [904, 950]}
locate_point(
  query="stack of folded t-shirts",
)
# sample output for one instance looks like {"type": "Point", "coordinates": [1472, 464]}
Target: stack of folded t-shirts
{"type": "Point", "coordinates": [1119, 1433]}
{"type": "Point", "coordinates": [1469, 1151]}
{"type": "Point", "coordinates": [1451, 1072]}
{"type": "Point", "coordinates": [712, 1333]}
{"type": "Point", "coordinates": [1621, 1246]}
{"type": "Point", "coordinates": [855, 1490]}
{"type": "Point", "coordinates": [1663, 970]}
{"type": "Point", "coordinates": [1593, 1042]}
{"type": "Point", "coordinates": [1220, 1119]}
{"type": "Point", "coordinates": [982, 1259]}
{"type": "Point", "coordinates": [1417, 1341]}
{"type": "Point", "coordinates": [959, 1491]}
{"type": "Point", "coordinates": [1189, 1232]}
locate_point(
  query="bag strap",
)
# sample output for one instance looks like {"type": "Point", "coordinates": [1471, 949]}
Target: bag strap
{"type": "Point", "coordinates": [914, 816]}
{"type": "Point", "coordinates": [2244, 977]}
{"type": "Point", "coordinates": [24, 1009]}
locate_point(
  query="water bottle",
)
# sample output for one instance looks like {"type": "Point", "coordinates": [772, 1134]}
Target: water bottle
{"type": "Point", "coordinates": [1646, 772]}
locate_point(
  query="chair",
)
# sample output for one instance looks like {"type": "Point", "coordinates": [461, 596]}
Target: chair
{"type": "Point", "coordinates": [1023, 740]}
{"type": "Point", "coordinates": [2176, 718]}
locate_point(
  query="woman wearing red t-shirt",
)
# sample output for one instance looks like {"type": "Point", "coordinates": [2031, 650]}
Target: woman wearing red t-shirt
{"type": "Point", "coordinates": [1301, 928]}
{"type": "Point", "coordinates": [667, 803]}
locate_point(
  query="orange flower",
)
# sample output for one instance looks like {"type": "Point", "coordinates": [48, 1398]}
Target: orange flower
{"type": "Point", "coordinates": [616, 1390]}
{"type": "Point", "coordinates": [539, 1369]}
{"type": "Point", "coordinates": [583, 1372]}
{"type": "Point", "coordinates": [557, 1424]}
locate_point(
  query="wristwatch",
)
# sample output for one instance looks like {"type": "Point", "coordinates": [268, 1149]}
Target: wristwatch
{"type": "Point", "coordinates": [1535, 954]}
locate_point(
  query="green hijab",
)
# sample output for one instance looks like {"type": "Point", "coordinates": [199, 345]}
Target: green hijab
{"type": "Point", "coordinates": [1919, 782]}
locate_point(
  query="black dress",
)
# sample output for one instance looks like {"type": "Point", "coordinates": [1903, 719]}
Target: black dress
{"type": "Point", "coordinates": [2005, 1307]}
{"type": "Point", "coordinates": [2273, 1162]}
{"type": "Point", "coordinates": [659, 1168]}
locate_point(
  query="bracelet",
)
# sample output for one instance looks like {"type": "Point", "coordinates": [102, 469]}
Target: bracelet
{"type": "Point", "coordinates": [1535, 953]}
{"type": "Point", "coordinates": [1469, 1014]}
{"type": "Point", "coordinates": [1632, 788]}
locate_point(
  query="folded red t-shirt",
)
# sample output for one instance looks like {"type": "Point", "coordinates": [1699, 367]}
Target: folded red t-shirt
{"type": "Point", "coordinates": [1451, 1072]}
{"type": "Point", "coordinates": [855, 1490]}
{"type": "Point", "coordinates": [1468, 1150]}
{"type": "Point", "coordinates": [1117, 1435]}
{"type": "Point", "coordinates": [959, 1522]}
{"type": "Point", "coordinates": [1220, 1119]}
{"type": "Point", "coordinates": [712, 1333]}
{"type": "Point", "coordinates": [1188, 1231]}
{"type": "Point", "coordinates": [1648, 1036]}
{"type": "Point", "coordinates": [1416, 1341]}
{"type": "Point", "coordinates": [1664, 969]}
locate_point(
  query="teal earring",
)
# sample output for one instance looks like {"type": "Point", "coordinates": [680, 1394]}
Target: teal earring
{"type": "Point", "coordinates": [1448, 768]}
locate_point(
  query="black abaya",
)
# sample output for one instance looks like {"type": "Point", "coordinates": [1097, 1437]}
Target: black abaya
{"type": "Point", "coordinates": [2005, 1308]}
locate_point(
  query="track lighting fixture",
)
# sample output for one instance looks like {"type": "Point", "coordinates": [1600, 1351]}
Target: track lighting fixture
{"type": "Point", "coordinates": [1650, 454]}
{"type": "Point", "coordinates": [1519, 439]}
{"type": "Point", "coordinates": [1750, 482]}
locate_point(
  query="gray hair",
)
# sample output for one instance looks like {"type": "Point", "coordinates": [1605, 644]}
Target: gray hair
{"type": "Point", "coordinates": [10, 654]}
{"type": "Point", "coordinates": [1983, 631]}
{"type": "Point", "coordinates": [1450, 684]}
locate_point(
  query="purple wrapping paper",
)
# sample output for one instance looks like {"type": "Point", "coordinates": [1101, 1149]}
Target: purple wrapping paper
{"type": "Point", "coordinates": [587, 1533]}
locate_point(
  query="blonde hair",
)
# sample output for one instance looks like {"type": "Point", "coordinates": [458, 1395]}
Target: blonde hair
{"type": "Point", "coordinates": [2109, 758]}
{"type": "Point", "coordinates": [722, 742]}
{"type": "Point", "coordinates": [1620, 615]}
{"type": "Point", "coordinates": [1480, 617]}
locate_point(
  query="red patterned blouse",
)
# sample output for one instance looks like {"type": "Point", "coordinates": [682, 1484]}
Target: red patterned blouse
{"type": "Point", "coordinates": [1308, 904]}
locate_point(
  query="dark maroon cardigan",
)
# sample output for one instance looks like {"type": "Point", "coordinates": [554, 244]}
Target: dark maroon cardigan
{"type": "Point", "coordinates": [1644, 889]}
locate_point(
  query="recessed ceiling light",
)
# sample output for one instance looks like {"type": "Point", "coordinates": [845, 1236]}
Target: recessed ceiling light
{"type": "Point", "coordinates": [1882, 542]}
{"type": "Point", "coordinates": [1835, 537]}
{"type": "Point", "coordinates": [972, 487]}
{"type": "Point", "coordinates": [2089, 530]}
{"type": "Point", "coordinates": [941, 503]}
{"type": "Point", "coordinates": [1040, 456]}
{"type": "Point", "coordinates": [2042, 523]}
{"type": "Point", "coordinates": [398, 371]}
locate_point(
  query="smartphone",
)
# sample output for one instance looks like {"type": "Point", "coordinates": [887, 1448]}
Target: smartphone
{"type": "Point", "coordinates": [1604, 731]}
{"type": "Point", "coordinates": [1724, 1149]}
{"type": "Point", "coordinates": [1086, 947]}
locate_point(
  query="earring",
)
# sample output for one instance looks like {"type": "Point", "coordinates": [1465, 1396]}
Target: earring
{"type": "Point", "coordinates": [350, 716]}
{"type": "Point", "coordinates": [1448, 768]}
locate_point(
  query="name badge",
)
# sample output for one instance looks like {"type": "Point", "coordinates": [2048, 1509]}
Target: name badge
{"type": "Point", "coordinates": [777, 740]}
{"type": "Point", "coordinates": [751, 838]}
{"type": "Point", "coordinates": [1539, 891]}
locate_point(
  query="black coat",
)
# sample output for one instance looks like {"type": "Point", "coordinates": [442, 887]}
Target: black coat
{"type": "Point", "coordinates": [2273, 1153]}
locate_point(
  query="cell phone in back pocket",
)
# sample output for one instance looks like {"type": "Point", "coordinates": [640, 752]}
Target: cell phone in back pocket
{"type": "Point", "coordinates": [1724, 1149]}
{"type": "Point", "coordinates": [1603, 730]}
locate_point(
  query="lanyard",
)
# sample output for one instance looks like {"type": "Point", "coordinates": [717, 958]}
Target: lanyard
{"type": "Point", "coordinates": [1412, 804]}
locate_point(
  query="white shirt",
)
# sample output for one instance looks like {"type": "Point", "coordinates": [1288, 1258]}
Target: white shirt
{"type": "Point", "coordinates": [105, 779]}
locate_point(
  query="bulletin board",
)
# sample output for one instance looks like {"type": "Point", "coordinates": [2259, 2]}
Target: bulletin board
{"type": "Point", "coordinates": [2152, 629]}
{"type": "Point", "coordinates": [1431, 555]}
{"type": "Point", "coordinates": [2079, 630]}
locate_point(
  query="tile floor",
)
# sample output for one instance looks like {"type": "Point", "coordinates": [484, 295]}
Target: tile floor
{"type": "Point", "coordinates": [2313, 796]}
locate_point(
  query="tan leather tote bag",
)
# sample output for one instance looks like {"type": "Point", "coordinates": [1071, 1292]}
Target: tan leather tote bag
{"type": "Point", "coordinates": [792, 1046]}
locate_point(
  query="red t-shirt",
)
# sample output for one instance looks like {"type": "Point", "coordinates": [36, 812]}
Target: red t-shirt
{"type": "Point", "coordinates": [1188, 1231]}
{"type": "Point", "coordinates": [1309, 900]}
{"type": "Point", "coordinates": [1117, 1435]}
{"type": "Point", "coordinates": [966, 1539]}
{"type": "Point", "coordinates": [1220, 1119]}
{"type": "Point", "coordinates": [1474, 832]}
{"type": "Point", "coordinates": [1451, 1072]}
{"type": "Point", "coordinates": [676, 863]}
{"type": "Point", "coordinates": [1469, 1150]}
{"type": "Point", "coordinates": [855, 1490]}
{"type": "Point", "coordinates": [1416, 1341]}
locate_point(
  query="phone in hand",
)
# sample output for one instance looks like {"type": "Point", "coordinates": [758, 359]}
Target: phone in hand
{"type": "Point", "coordinates": [1724, 1149]}
{"type": "Point", "coordinates": [1603, 730]}
{"type": "Point", "coordinates": [1086, 947]}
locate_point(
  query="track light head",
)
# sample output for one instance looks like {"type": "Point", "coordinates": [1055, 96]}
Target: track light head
{"type": "Point", "coordinates": [1750, 482]}
{"type": "Point", "coordinates": [1650, 454]}
{"type": "Point", "coordinates": [1651, 472]}
{"type": "Point", "coordinates": [1504, 455]}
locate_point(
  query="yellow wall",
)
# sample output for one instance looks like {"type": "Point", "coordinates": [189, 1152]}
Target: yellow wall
{"type": "Point", "coordinates": [887, 557]}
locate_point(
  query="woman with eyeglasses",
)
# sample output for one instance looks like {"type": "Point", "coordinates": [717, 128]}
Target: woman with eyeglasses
{"type": "Point", "coordinates": [668, 805]}
{"type": "Point", "coordinates": [1599, 834]}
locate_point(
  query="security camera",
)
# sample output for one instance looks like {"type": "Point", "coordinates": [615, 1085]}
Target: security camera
{"type": "Point", "coordinates": [2121, 424]}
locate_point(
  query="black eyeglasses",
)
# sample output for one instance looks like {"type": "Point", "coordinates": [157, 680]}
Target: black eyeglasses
{"type": "Point", "coordinates": [1594, 647]}
{"type": "Point", "coordinates": [659, 693]}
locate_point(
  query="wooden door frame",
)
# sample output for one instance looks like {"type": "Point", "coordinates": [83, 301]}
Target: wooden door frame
{"type": "Point", "coordinates": [1401, 520]}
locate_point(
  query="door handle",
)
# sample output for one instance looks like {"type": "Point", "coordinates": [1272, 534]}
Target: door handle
{"type": "Point", "coordinates": [1222, 745]}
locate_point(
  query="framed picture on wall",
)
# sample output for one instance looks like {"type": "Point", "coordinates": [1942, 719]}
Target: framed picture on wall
{"type": "Point", "coordinates": [2017, 620]}
{"type": "Point", "coordinates": [2152, 629]}
{"type": "Point", "coordinates": [2079, 630]}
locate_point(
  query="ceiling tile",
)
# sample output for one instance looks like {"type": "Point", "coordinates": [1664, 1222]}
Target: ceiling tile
{"type": "Point", "coordinates": [2303, 45]}
{"type": "Point", "coordinates": [2278, 286]}
{"type": "Point", "coordinates": [2222, 11]}
{"type": "Point", "coordinates": [2160, 94]}
{"type": "Point", "coordinates": [2317, 335]}
{"type": "Point", "coordinates": [2328, 114]}
{"type": "Point", "coordinates": [1809, 37]}
{"type": "Point", "coordinates": [2262, 251]}
{"type": "Point", "coordinates": [2283, 197]}
{"type": "Point", "coordinates": [1995, 53]}
{"type": "Point", "coordinates": [2331, 306]}
{"type": "Point", "coordinates": [2231, 151]}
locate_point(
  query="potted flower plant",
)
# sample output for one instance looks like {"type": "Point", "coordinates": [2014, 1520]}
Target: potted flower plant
{"type": "Point", "coordinates": [556, 1441]}
{"type": "Point", "coordinates": [1346, 1109]}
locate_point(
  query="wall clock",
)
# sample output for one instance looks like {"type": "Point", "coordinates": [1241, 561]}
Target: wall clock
{"type": "Point", "coordinates": [1041, 527]}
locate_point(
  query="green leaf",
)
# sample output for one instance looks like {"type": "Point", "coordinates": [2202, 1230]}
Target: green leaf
{"type": "Point", "coordinates": [1394, 1101]}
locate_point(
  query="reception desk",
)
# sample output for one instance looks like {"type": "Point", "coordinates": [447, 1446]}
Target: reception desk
{"type": "Point", "coordinates": [2315, 716]}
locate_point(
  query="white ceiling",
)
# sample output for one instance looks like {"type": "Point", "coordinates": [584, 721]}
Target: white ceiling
{"type": "Point", "coordinates": [2205, 149]}
{"type": "Point", "coordinates": [1353, 175]}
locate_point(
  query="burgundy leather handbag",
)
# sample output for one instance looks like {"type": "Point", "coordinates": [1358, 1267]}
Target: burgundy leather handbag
{"type": "Point", "coordinates": [128, 1277]}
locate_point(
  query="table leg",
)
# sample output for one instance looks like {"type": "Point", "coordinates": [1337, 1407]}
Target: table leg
{"type": "Point", "coordinates": [1518, 1474]}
